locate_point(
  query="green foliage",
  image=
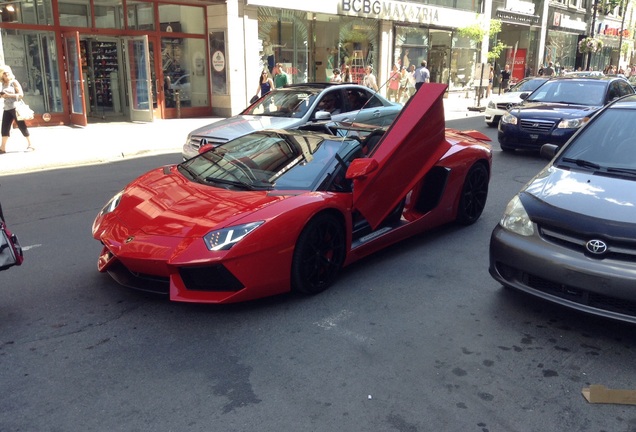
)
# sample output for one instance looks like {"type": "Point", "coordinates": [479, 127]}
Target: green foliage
{"type": "Point", "coordinates": [477, 32]}
{"type": "Point", "coordinates": [495, 51]}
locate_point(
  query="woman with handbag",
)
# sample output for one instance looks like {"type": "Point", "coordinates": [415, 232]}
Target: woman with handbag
{"type": "Point", "coordinates": [11, 92]}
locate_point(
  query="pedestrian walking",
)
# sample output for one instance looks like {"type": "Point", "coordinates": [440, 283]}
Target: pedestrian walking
{"type": "Point", "coordinates": [549, 71]}
{"type": "Point", "coordinates": [11, 93]}
{"type": "Point", "coordinates": [422, 75]}
{"type": "Point", "coordinates": [280, 79]}
{"type": "Point", "coordinates": [394, 84]}
{"type": "Point", "coordinates": [369, 79]}
{"type": "Point", "coordinates": [265, 83]}
{"type": "Point", "coordinates": [505, 78]}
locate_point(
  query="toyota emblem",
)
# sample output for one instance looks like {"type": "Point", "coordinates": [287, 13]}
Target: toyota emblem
{"type": "Point", "coordinates": [597, 247]}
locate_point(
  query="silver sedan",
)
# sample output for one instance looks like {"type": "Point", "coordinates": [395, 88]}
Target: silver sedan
{"type": "Point", "coordinates": [294, 106]}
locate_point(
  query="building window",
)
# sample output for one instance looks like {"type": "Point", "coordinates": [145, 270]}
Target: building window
{"type": "Point", "coordinates": [75, 14]}
{"type": "Point", "coordinates": [33, 58]}
{"type": "Point", "coordinates": [182, 19]}
{"type": "Point", "coordinates": [184, 72]}
{"type": "Point", "coordinates": [27, 12]}
{"type": "Point", "coordinates": [140, 15]}
{"type": "Point", "coordinates": [109, 14]}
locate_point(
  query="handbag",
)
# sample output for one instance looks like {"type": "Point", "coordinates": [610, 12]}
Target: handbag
{"type": "Point", "coordinates": [10, 249]}
{"type": "Point", "coordinates": [23, 111]}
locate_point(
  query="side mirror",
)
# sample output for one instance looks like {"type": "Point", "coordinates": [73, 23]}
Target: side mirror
{"type": "Point", "coordinates": [524, 95]}
{"type": "Point", "coordinates": [548, 151]}
{"type": "Point", "coordinates": [360, 168]}
{"type": "Point", "coordinates": [322, 115]}
{"type": "Point", "coordinates": [204, 148]}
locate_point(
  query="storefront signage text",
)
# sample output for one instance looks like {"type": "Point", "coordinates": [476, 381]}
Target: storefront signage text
{"type": "Point", "coordinates": [565, 21]}
{"type": "Point", "coordinates": [516, 17]}
{"type": "Point", "coordinates": [390, 10]}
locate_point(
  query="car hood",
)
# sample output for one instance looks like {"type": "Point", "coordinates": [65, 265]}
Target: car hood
{"type": "Point", "coordinates": [510, 97]}
{"type": "Point", "coordinates": [163, 202]}
{"type": "Point", "coordinates": [583, 193]}
{"type": "Point", "coordinates": [240, 125]}
{"type": "Point", "coordinates": [553, 110]}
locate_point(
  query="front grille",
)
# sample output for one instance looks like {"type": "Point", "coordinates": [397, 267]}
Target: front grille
{"type": "Point", "coordinates": [506, 106]}
{"type": "Point", "coordinates": [537, 126]}
{"type": "Point", "coordinates": [621, 251]}
{"type": "Point", "coordinates": [212, 278]}
{"type": "Point", "coordinates": [197, 141]}
{"type": "Point", "coordinates": [580, 296]}
{"type": "Point", "coordinates": [139, 281]}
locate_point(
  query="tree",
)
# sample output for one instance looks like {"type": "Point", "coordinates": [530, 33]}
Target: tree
{"type": "Point", "coordinates": [478, 32]}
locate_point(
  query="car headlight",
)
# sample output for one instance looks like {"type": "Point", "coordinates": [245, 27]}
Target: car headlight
{"type": "Point", "coordinates": [112, 204]}
{"type": "Point", "coordinates": [225, 238]}
{"type": "Point", "coordinates": [492, 105]}
{"type": "Point", "coordinates": [573, 123]}
{"type": "Point", "coordinates": [516, 219]}
{"type": "Point", "coordinates": [508, 118]}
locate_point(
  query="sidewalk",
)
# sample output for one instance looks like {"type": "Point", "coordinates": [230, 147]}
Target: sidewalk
{"type": "Point", "coordinates": [66, 146]}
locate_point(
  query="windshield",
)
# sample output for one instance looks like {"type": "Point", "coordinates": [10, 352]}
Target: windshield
{"type": "Point", "coordinates": [529, 85]}
{"type": "Point", "coordinates": [283, 103]}
{"type": "Point", "coordinates": [265, 160]}
{"type": "Point", "coordinates": [581, 92]}
{"type": "Point", "coordinates": [608, 142]}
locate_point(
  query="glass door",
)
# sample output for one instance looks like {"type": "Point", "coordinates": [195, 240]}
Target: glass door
{"type": "Point", "coordinates": [75, 78]}
{"type": "Point", "coordinates": [139, 79]}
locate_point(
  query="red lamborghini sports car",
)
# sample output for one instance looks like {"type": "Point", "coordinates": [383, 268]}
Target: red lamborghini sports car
{"type": "Point", "coordinates": [274, 210]}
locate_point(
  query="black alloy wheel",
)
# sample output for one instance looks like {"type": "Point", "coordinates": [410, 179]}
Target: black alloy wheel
{"type": "Point", "coordinates": [319, 254]}
{"type": "Point", "coordinates": [474, 195]}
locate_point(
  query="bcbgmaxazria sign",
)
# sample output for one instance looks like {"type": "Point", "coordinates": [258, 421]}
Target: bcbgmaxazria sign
{"type": "Point", "coordinates": [390, 10]}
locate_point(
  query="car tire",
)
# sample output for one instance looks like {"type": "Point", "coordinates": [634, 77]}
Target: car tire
{"type": "Point", "coordinates": [492, 123]}
{"type": "Point", "coordinates": [318, 255]}
{"type": "Point", "coordinates": [473, 195]}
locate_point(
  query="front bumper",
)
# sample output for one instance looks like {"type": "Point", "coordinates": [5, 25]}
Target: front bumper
{"type": "Point", "coordinates": [603, 287]}
{"type": "Point", "coordinates": [514, 137]}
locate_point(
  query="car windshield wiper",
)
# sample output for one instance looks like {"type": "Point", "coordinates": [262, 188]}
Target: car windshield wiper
{"type": "Point", "coordinates": [629, 171]}
{"type": "Point", "coordinates": [190, 171]}
{"type": "Point", "coordinates": [582, 163]}
{"type": "Point", "coordinates": [236, 183]}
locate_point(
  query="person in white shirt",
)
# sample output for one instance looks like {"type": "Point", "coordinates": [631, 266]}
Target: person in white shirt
{"type": "Point", "coordinates": [369, 79]}
{"type": "Point", "coordinates": [422, 75]}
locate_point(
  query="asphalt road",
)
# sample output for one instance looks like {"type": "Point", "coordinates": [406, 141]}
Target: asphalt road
{"type": "Point", "coordinates": [416, 338]}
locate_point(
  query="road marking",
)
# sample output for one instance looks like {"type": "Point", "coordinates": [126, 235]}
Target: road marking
{"type": "Point", "coordinates": [26, 248]}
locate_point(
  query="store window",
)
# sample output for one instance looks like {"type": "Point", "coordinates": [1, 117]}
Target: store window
{"type": "Point", "coordinates": [182, 19]}
{"type": "Point", "coordinates": [464, 69]}
{"type": "Point", "coordinates": [411, 46]}
{"type": "Point", "coordinates": [76, 14]}
{"type": "Point", "coordinates": [109, 14]}
{"type": "Point", "coordinates": [310, 46]}
{"type": "Point", "coordinates": [140, 15]}
{"type": "Point", "coordinates": [184, 72]}
{"type": "Point", "coordinates": [27, 12]}
{"type": "Point", "coordinates": [33, 58]}
{"type": "Point", "coordinates": [561, 49]}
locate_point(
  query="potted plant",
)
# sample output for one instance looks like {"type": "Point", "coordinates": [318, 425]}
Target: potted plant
{"type": "Point", "coordinates": [590, 45]}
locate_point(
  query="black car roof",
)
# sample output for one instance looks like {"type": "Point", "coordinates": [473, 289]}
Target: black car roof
{"type": "Point", "coordinates": [586, 78]}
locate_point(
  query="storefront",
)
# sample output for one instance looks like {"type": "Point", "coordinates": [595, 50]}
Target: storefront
{"type": "Point", "coordinates": [520, 34]}
{"type": "Point", "coordinates": [561, 47]}
{"type": "Point", "coordinates": [115, 60]}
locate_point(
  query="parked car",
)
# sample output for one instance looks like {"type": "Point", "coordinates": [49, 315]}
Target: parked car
{"type": "Point", "coordinates": [275, 210]}
{"type": "Point", "coordinates": [499, 104]}
{"type": "Point", "coordinates": [556, 110]}
{"type": "Point", "coordinates": [295, 105]}
{"type": "Point", "coordinates": [568, 236]}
